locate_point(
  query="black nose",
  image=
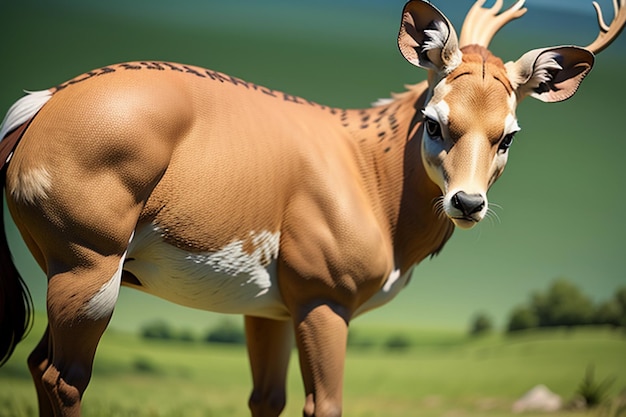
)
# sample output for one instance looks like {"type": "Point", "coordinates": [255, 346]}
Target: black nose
{"type": "Point", "coordinates": [468, 203]}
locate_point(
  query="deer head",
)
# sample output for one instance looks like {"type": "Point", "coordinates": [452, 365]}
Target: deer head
{"type": "Point", "coordinates": [469, 119]}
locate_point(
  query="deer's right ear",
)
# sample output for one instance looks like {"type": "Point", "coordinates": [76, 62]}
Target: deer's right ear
{"type": "Point", "coordinates": [427, 39]}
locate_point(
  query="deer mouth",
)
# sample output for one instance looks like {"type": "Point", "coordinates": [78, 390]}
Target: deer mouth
{"type": "Point", "coordinates": [465, 222]}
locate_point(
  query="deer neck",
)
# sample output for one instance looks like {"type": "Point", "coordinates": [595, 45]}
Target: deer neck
{"type": "Point", "coordinates": [389, 143]}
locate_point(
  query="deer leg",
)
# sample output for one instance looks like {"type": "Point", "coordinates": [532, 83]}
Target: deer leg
{"type": "Point", "coordinates": [269, 350]}
{"type": "Point", "coordinates": [80, 304]}
{"type": "Point", "coordinates": [38, 362]}
{"type": "Point", "coordinates": [321, 337]}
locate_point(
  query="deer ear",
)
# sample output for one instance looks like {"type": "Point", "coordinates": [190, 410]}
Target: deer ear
{"type": "Point", "coordinates": [550, 74]}
{"type": "Point", "coordinates": [427, 39]}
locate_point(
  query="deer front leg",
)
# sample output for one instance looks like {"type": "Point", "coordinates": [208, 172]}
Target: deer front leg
{"type": "Point", "coordinates": [269, 350]}
{"type": "Point", "coordinates": [321, 337]}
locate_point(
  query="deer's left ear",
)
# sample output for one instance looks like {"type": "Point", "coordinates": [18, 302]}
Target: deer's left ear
{"type": "Point", "coordinates": [550, 74]}
{"type": "Point", "coordinates": [427, 39]}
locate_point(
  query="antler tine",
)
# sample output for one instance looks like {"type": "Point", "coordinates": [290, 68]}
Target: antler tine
{"type": "Point", "coordinates": [608, 33]}
{"type": "Point", "coordinates": [481, 24]}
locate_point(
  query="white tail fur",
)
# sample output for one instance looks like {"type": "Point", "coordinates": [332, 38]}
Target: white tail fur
{"type": "Point", "coordinates": [23, 109]}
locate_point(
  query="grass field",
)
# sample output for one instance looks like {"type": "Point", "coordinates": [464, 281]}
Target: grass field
{"type": "Point", "coordinates": [441, 374]}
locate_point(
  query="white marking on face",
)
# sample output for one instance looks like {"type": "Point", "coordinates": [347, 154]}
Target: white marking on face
{"type": "Point", "coordinates": [439, 112]}
{"type": "Point", "coordinates": [229, 280]}
{"type": "Point", "coordinates": [101, 305]}
{"type": "Point", "coordinates": [435, 149]}
{"type": "Point", "coordinates": [32, 185]}
{"type": "Point", "coordinates": [510, 124]}
{"type": "Point", "coordinates": [510, 127]}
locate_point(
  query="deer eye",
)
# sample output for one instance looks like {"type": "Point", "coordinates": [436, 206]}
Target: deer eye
{"type": "Point", "coordinates": [506, 142]}
{"type": "Point", "coordinates": [433, 128]}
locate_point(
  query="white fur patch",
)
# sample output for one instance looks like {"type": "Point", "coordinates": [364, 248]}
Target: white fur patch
{"type": "Point", "coordinates": [32, 185]}
{"type": "Point", "coordinates": [439, 112]}
{"type": "Point", "coordinates": [544, 66]}
{"type": "Point", "coordinates": [436, 38]}
{"type": "Point", "coordinates": [394, 284]}
{"type": "Point", "coordinates": [510, 124]}
{"type": "Point", "coordinates": [383, 102]}
{"type": "Point", "coordinates": [229, 280]}
{"type": "Point", "coordinates": [23, 109]}
{"type": "Point", "coordinates": [101, 305]}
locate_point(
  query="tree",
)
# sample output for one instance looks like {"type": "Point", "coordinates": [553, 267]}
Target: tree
{"type": "Point", "coordinates": [620, 299]}
{"type": "Point", "coordinates": [563, 305]}
{"type": "Point", "coordinates": [157, 330]}
{"type": "Point", "coordinates": [522, 318]}
{"type": "Point", "coordinates": [608, 313]}
{"type": "Point", "coordinates": [227, 332]}
{"type": "Point", "coordinates": [398, 342]}
{"type": "Point", "coordinates": [481, 324]}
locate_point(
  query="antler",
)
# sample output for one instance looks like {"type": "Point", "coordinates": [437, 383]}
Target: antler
{"type": "Point", "coordinates": [608, 33]}
{"type": "Point", "coordinates": [481, 24]}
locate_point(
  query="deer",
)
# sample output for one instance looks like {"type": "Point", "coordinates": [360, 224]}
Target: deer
{"type": "Point", "coordinates": [219, 194]}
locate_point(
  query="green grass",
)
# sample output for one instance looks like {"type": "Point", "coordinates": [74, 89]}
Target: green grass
{"type": "Point", "coordinates": [441, 374]}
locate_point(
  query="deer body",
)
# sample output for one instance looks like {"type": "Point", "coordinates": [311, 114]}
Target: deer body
{"type": "Point", "coordinates": [247, 182]}
{"type": "Point", "coordinates": [223, 195]}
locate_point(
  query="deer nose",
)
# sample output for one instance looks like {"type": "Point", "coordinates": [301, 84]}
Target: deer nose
{"type": "Point", "coordinates": [468, 203]}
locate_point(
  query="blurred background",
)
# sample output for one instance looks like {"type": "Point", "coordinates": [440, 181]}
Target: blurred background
{"type": "Point", "coordinates": [559, 202]}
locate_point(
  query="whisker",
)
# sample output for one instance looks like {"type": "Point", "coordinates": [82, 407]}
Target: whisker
{"type": "Point", "coordinates": [493, 216]}
{"type": "Point", "coordinates": [438, 207]}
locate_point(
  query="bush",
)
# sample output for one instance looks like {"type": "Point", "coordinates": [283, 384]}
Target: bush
{"type": "Point", "coordinates": [563, 305]}
{"type": "Point", "coordinates": [609, 313]}
{"type": "Point", "coordinates": [594, 393]}
{"type": "Point", "coordinates": [616, 407]}
{"type": "Point", "coordinates": [144, 365]}
{"type": "Point", "coordinates": [398, 342]}
{"type": "Point", "coordinates": [620, 299]}
{"type": "Point", "coordinates": [356, 341]}
{"type": "Point", "coordinates": [481, 324]}
{"type": "Point", "coordinates": [227, 332]}
{"type": "Point", "coordinates": [160, 330]}
{"type": "Point", "coordinates": [522, 318]}
{"type": "Point", "coordinates": [157, 330]}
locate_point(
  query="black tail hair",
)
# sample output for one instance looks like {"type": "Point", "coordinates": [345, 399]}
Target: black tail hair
{"type": "Point", "coordinates": [16, 304]}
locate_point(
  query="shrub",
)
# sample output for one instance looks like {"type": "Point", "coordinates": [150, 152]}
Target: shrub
{"type": "Point", "coordinates": [355, 340]}
{"type": "Point", "coordinates": [562, 305]}
{"type": "Point", "coordinates": [609, 313]}
{"type": "Point", "coordinates": [522, 318]}
{"type": "Point", "coordinates": [143, 365]}
{"type": "Point", "coordinates": [157, 330]}
{"type": "Point", "coordinates": [481, 324]}
{"type": "Point", "coordinates": [616, 407]}
{"type": "Point", "coordinates": [398, 342]}
{"type": "Point", "coordinates": [226, 332]}
{"type": "Point", "coordinates": [592, 392]}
